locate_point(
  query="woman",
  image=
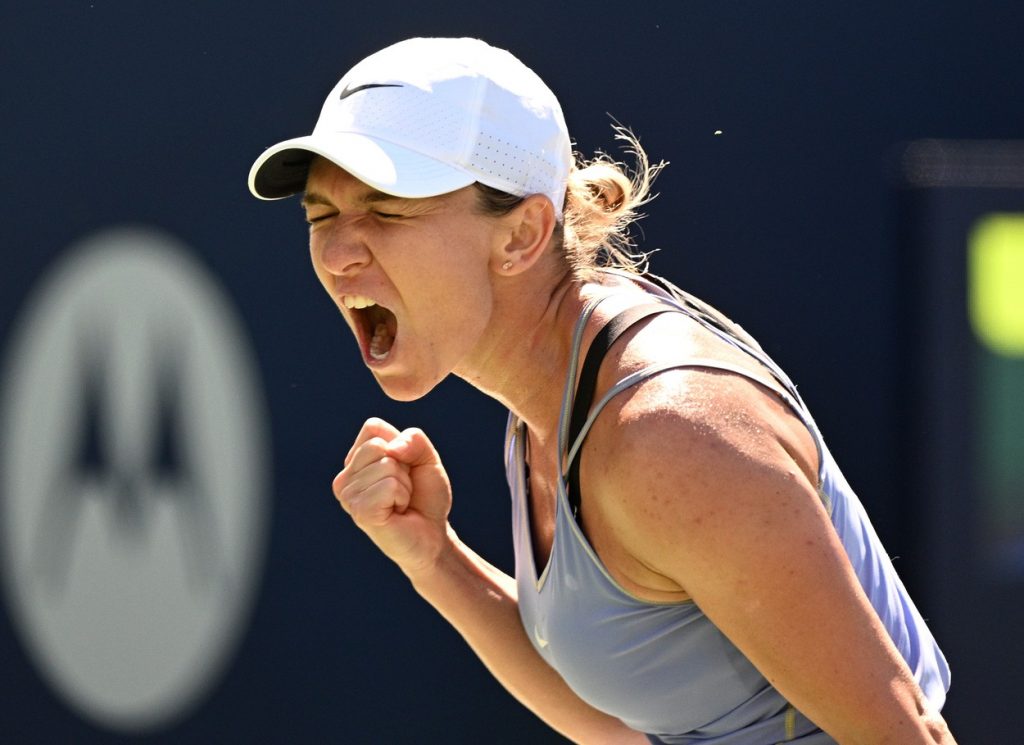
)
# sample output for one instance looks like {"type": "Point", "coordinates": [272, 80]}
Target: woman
{"type": "Point", "coordinates": [690, 564]}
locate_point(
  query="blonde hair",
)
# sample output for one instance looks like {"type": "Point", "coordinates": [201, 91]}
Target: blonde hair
{"type": "Point", "coordinates": [601, 205]}
{"type": "Point", "coordinates": [601, 202]}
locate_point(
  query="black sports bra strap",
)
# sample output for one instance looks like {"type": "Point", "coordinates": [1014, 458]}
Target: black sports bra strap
{"type": "Point", "coordinates": [599, 347]}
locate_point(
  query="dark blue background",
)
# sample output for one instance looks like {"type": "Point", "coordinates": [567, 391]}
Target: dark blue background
{"type": "Point", "coordinates": [116, 112]}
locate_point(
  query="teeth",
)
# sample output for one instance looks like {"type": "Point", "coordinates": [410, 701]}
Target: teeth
{"type": "Point", "coordinates": [356, 301]}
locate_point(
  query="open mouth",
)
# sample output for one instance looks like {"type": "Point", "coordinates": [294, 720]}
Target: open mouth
{"type": "Point", "coordinates": [377, 327]}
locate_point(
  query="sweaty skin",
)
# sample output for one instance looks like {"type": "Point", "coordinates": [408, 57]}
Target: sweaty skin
{"type": "Point", "coordinates": [743, 535]}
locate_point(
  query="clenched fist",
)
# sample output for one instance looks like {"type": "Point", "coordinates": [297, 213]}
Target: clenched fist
{"type": "Point", "coordinates": [396, 490]}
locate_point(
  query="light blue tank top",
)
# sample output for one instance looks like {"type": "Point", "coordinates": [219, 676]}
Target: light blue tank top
{"type": "Point", "coordinates": [664, 668]}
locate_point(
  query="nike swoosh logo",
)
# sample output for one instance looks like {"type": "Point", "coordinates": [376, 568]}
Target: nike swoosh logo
{"type": "Point", "coordinates": [540, 640]}
{"type": "Point", "coordinates": [349, 91]}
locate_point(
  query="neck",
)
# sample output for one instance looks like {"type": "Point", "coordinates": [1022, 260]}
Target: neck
{"type": "Point", "coordinates": [524, 360]}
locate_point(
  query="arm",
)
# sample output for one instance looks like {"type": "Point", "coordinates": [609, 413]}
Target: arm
{"type": "Point", "coordinates": [396, 491]}
{"type": "Point", "coordinates": [743, 532]}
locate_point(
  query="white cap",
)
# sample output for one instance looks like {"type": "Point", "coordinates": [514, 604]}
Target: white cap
{"type": "Point", "coordinates": [428, 116]}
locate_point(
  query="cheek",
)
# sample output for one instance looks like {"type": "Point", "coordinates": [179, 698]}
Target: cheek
{"type": "Point", "coordinates": [318, 267]}
{"type": "Point", "coordinates": [448, 303]}
{"type": "Point", "coordinates": [464, 314]}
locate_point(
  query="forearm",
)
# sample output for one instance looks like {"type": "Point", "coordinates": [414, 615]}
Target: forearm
{"type": "Point", "coordinates": [480, 602]}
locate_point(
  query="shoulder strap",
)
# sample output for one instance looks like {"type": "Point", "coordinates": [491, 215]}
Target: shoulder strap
{"type": "Point", "coordinates": [599, 347]}
{"type": "Point", "coordinates": [705, 312]}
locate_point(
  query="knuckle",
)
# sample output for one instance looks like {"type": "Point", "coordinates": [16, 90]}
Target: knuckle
{"type": "Point", "coordinates": [391, 483]}
{"type": "Point", "coordinates": [374, 446]}
{"type": "Point", "coordinates": [376, 426]}
{"type": "Point", "coordinates": [346, 496]}
{"type": "Point", "coordinates": [339, 482]}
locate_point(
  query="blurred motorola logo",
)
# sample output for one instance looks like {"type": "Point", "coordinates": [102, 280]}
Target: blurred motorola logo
{"type": "Point", "coordinates": [134, 466]}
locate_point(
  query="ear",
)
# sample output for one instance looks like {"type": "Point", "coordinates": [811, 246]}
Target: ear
{"type": "Point", "coordinates": [530, 226]}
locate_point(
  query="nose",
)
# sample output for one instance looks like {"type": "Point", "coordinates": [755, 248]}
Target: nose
{"type": "Point", "coordinates": [340, 252]}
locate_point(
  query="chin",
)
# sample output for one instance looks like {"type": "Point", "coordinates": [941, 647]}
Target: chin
{"type": "Point", "coordinates": [403, 389]}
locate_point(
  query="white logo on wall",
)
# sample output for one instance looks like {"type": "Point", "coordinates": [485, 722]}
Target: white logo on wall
{"type": "Point", "coordinates": [134, 466]}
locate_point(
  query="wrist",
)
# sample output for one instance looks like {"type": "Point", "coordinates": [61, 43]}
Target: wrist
{"type": "Point", "coordinates": [430, 570]}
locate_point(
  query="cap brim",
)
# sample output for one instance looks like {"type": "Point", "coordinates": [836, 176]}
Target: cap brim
{"type": "Point", "coordinates": [282, 169]}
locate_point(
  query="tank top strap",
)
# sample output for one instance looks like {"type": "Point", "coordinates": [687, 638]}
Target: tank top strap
{"type": "Point", "coordinates": [585, 389]}
{"type": "Point", "coordinates": [575, 352]}
{"type": "Point", "coordinates": [632, 379]}
{"type": "Point", "coordinates": [577, 415]}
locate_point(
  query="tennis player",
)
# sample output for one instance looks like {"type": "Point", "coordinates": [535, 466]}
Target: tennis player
{"type": "Point", "coordinates": [691, 565]}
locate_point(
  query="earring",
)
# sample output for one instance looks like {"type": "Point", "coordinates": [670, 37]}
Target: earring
{"type": "Point", "coordinates": [507, 265]}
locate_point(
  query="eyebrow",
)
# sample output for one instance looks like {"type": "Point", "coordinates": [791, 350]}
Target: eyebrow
{"type": "Point", "coordinates": [372, 196]}
{"type": "Point", "coordinates": [310, 198]}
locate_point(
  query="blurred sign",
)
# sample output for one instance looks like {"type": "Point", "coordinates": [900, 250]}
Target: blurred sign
{"type": "Point", "coordinates": [995, 294]}
{"type": "Point", "coordinates": [134, 452]}
{"type": "Point", "coordinates": [963, 389]}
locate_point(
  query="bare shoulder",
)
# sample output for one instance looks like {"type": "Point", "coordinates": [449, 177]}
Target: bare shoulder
{"type": "Point", "coordinates": [679, 461]}
{"type": "Point", "coordinates": [703, 485]}
{"type": "Point", "coordinates": [710, 415]}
